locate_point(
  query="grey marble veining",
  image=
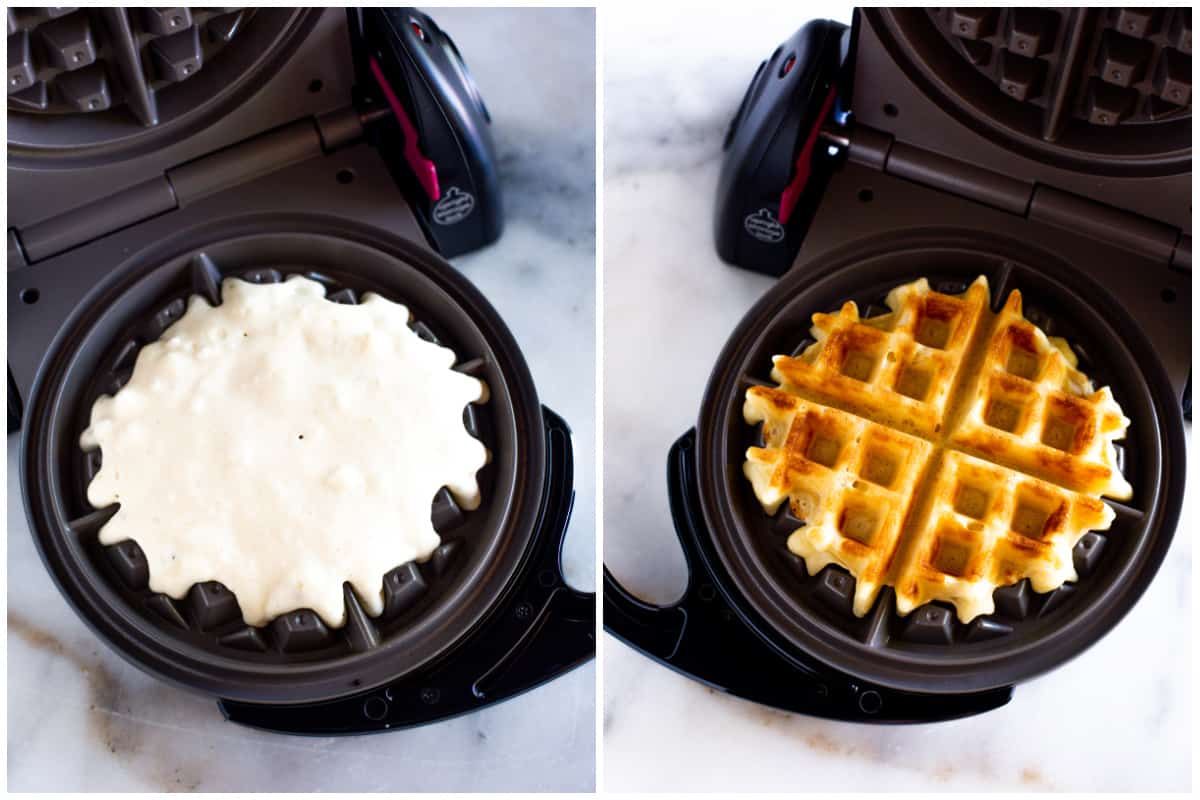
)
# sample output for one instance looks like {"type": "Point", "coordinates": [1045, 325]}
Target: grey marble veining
{"type": "Point", "coordinates": [81, 718]}
{"type": "Point", "coordinates": [1117, 717]}
{"type": "Point", "coordinates": [536, 71]}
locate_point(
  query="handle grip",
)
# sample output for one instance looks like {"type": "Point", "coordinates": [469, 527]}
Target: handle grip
{"type": "Point", "coordinates": [773, 174]}
{"type": "Point", "coordinates": [540, 629]}
{"type": "Point", "coordinates": [437, 143]}
{"type": "Point", "coordinates": [703, 638]}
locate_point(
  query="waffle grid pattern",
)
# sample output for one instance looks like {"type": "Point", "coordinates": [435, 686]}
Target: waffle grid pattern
{"type": "Point", "coordinates": [71, 60]}
{"type": "Point", "coordinates": [1035, 412]}
{"type": "Point", "coordinates": [824, 454]}
{"type": "Point", "coordinates": [988, 526]}
{"type": "Point", "coordinates": [910, 509]}
{"type": "Point", "coordinates": [1104, 67]}
{"type": "Point", "coordinates": [897, 368]}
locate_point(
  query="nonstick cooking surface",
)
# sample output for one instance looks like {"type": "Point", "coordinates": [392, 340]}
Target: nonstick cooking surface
{"type": "Point", "coordinates": [91, 80]}
{"type": "Point", "coordinates": [427, 606]}
{"type": "Point", "coordinates": [68, 60]}
{"type": "Point", "coordinates": [209, 609]}
{"type": "Point", "coordinates": [1095, 87]}
{"type": "Point", "coordinates": [930, 649]}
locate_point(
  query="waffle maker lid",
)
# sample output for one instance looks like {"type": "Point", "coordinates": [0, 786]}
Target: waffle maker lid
{"type": "Point", "coordinates": [1095, 102]}
{"type": "Point", "coordinates": [489, 615]}
{"type": "Point", "coordinates": [945, 95]}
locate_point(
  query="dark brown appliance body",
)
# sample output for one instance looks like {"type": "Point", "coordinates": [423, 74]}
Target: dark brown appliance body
{"type": "Point", "coordinates": [488, 616]}
{"type": "Point", "coordinates": [914, 190]}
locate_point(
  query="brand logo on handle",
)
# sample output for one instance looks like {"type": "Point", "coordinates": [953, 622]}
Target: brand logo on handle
{"type": "Point", "coordinates": [763, 226]}
{"type": "Point", "coordinates": [455, 206]}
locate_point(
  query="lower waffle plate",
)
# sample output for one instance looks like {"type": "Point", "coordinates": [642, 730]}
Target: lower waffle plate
{"type": "Point", "coordinates": [201, 640]}
{"type": "Point", "coordinates": [929, 649]}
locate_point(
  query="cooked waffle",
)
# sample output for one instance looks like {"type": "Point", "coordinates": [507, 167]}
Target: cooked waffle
{"type": "Point", "coordinates": [850, 480]}
{"type": "Point", "coordinates": [1031, 409]}
{"type": "Point", "coordinates": [986, 526]}
{"type": "Point", "coordinates": [995, 473]}
{"type": "Point", "coordinates": [895, 368]}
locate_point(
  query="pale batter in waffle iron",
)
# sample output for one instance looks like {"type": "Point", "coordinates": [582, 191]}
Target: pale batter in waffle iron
{"type": "Point", "coordinates": [294, 411]}
{"type": "Point", "coordinates": [327, 148]}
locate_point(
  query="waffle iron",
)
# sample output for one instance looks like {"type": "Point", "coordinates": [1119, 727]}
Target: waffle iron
{"type": "Point", "coordinates": [1048, 149]}
{"type": "Point", "coordinates": [154, 152]}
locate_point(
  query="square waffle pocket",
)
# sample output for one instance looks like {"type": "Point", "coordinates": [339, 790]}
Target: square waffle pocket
{"type": "Point", "coordinates": [897, 368]}
{"type": "Point", "coordinates": [1032, 410]}
{"type": "Point", "coordinates": [941, 449]}
{"type": "Point", "coordinates": [849, 480]}
{"type": "Point", "coordinates": [984, 526]}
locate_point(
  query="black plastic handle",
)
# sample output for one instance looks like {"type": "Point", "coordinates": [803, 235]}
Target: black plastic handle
{"type": "Point", "coordinates": [773, 174]}
{"type": "Point", "coordinates": [540, 629]}
{"type": "Point", "coordinates": [422, 69]}
{"type": "Point", "coordinates": [704, 638]}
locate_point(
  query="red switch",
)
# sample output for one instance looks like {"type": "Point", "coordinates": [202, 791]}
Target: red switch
{"type": "Point", "coordinates": [791, 195]}
{"type": "Point", "coordinates": [425, 169]}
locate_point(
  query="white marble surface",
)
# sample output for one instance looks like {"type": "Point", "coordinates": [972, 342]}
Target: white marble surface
{"type": "Point", "coordinates": [1117, 717]}
{"type": "Point", "coordinates": [80, 718]}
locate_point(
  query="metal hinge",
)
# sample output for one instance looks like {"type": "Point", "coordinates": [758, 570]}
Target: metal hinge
{"type": "Point", "coordinates": [178, 186]}
{"type": "Point", "coordinates": [1040, 203]}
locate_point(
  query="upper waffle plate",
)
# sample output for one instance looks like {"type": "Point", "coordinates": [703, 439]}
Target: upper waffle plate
{"type": "Point", "coordinates": [68, 60]}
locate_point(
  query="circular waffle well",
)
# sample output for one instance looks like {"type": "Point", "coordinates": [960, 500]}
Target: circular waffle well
{"type": "Point", "coordinates": [930, 649]}
{"type": "Point", "coordinates": [210, 608]}
{"type": "Point", "coordinates": [1088, 86]}
{"type": "Point", "coordinates": [201, 640]}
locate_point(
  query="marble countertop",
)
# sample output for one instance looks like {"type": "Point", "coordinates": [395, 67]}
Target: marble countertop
{"type": "Point", "coordinates": [1117, 717]}
{"type": "Point", "coordinates": [79, 717]}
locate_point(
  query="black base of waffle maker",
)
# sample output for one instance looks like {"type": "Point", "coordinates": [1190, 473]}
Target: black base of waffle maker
{"type": "Point", "coordinates": [1046, 149]}
{"type": "Point", "coordinates": [290, 177]}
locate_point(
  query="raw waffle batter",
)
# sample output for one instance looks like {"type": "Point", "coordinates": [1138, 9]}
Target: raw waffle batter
{"type": "Point", "coordinates": [283, 444]}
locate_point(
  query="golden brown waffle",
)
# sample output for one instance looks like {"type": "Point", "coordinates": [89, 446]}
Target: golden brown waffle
{"type": "Point", "coordinates": [911, 509]}
{"type": "Point", "coordinates": [851, 480]}
{"type": "Point", "coordinates": [1031, 409]}
{"type": "Point", "coordinates": [896, 368]}
{"type": "Point", "coordinates": [985, 526]}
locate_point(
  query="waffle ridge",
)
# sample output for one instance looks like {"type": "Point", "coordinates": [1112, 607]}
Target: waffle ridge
{"type": "Point", "coordinates": [983, 470]}
{"type": "Point", "coordinates": [896, 368]}
{"type": "Point", "coordinates": [1033, 410]}
{"type": "Point", "coordinates": [1133, 66]}
{"type": "Point", "coordinates": [851, 479]}
{"type": "Point", "coordinates": [75, 60]}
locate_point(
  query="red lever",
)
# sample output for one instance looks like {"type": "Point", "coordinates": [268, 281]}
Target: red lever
{"type": "Point", "coordinates": [791, 195]}
{"type": "Point", "coordinates": [425, 169]}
